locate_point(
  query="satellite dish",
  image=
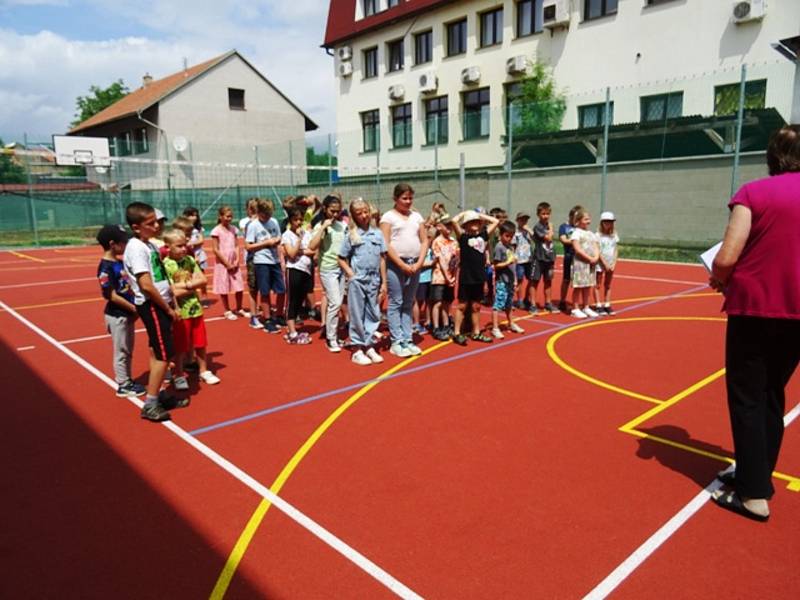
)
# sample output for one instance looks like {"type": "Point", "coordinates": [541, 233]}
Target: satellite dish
{"type": "Point", "coordinates": [100, 170]}
{"type": "Point", "coordinates": [180, 143]}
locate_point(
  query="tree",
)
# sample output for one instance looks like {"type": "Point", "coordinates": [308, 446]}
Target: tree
{"type": "Point", "coordinates": [319, 160]}
{"type": "Point", "coordinates": [10, 172]}
{"type": "Point", "coordinates": [539, 107]}
{"type": "Point", "coordinates": [98, 99]}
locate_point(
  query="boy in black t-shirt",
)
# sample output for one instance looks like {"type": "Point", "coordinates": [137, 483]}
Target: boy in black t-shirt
{"type": "Point", "coordinates": [473, 243]}
{"type": "Point", "coordinates": [504, 263]}
{"type": "Point", "coordinates": [120, 311]}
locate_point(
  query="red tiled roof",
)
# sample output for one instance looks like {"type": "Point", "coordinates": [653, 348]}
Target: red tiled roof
{"type": "Point", "coordinates": [145, 97]}
{"type": "Point", "coordinates": [342, 24]}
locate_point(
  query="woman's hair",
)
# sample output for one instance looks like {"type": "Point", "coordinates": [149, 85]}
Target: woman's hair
{"type": "Point", "coordinates": [783, 150]}
{"type": "Point", "coordinates": [400, 189]}
{"type": "Point", "coordinates": [191, 211]}
{"type": "Point", "coordinates": [355, 237]}
{"type": "Point", "coordinates": [222, 210]}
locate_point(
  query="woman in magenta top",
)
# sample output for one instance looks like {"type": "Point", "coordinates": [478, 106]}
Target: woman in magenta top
{"type": "Point", "coordinates": [758, 270]}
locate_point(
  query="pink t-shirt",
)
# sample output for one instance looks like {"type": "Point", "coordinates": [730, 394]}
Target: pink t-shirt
{"type": "Point", "coordinates": [405, 232]}
{"type": "Point", "coordinates": [766, 279]}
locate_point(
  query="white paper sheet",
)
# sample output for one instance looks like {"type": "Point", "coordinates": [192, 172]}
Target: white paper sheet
{"type": "Point", "coordinates": [707, 257]}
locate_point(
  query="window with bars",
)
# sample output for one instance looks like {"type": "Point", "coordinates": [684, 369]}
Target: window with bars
{"type": "Point", "coordinates": [661, 106]}
{"type": "Point", "coordinates": [492, 27]}
{"type": "Point", "coordinates": [593, 115]}
{"type": "Point", "coordinates": [436, 120]}
{"type": "Point", "coordinates": [726, 97]}
{"type": "Point", "coordinates": [529, 17]}
{"type": "Point", "coordinates": [370, 124]}
{"type": "Point", "coordinates": [594, 9]}
{"type": "Point", "coordinates": [370, 63]}
{"type": "Point", "coordinates": [423, 47]}
{"type": "Point", "coordinates": [457, 37]}
{"type": "Point", "coordinates": [401, 126]}
{"type": "Point", "coordinates": [476, 114]}
{"type": "Point", "coordinates": [395, 55]}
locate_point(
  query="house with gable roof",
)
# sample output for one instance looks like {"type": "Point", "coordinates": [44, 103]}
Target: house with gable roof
{"type": "Point", "coordinates": [220, 111]}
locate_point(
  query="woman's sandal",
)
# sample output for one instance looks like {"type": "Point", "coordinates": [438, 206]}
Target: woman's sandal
{"type": "Point", "coordinates": [732, 502]}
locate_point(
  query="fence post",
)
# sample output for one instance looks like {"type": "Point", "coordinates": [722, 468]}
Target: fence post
{"type": "Point", "coordinates": [191, 175]}
{"type": "Point", "coordinates": [258, 174]}
{"type": "Point", "coordinates": [436, 150]}
{"type": "Point", "coordinates": [739, 119]}
{"type": "Point", "coordinates": [462, 192]}
{"type": "Point", "coordinates": [31, 201]}
{"type": "Point", "coordinates": [378, 168]}
{"type": "Point", "coordinates": [330, 163]}
{"type": "Point", "coordinates": [604, 177]}
{"type": "Point", "coordinates": [291, 167]}
{"type": "Point", "coordinates": [509, 156]}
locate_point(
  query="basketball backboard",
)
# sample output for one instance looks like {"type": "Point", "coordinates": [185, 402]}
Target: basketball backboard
{"type": "Point", "coordinates": [82, 151]}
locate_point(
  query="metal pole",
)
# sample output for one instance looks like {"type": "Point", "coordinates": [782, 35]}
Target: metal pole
{"type": "Point", "coordinates": [462, 183]}
{"type": "Point", "coordinates": [739, 118]}
{"type": "Point", "coordinates": [191, 160]}
{"type": "Point", "coordinates": [509, 155]}
{"type": "Point", "coordinates": [436, 151]}
{"type": "Point", "coordinates": [604, 177]}
{"type": "Point", "coordinates": [291, 167]}
{"type": "Point", "coordinates": [378, 167]}
{"type": "Point", "coordinates": [31, 201]}
{"type": "Point", "coordinates": [330, 162]}
{"type": "Point", "coordinates": [258, 174]}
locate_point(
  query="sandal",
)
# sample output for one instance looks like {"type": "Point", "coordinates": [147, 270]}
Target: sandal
{"type": "Point", "coordinates": [732, 502]}
{"type": "Point", "coordinates": [481, 337]}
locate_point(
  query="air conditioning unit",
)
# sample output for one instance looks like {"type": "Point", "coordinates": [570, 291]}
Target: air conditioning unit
{"type": "Point", "coordinates": [344, 52]}
{"type": "Point", "coordinates": [428, 82]}
{"type": "Point", "coordinates": [749, 10]}
{"type": "Point", "coordinates": [517, 64]}
{"type": "Point", "coordinates": [345, 69]}
{"type": "Point", "coordinates": [471, 75]}
{"type": "Point", "coordinates": [396, 92]}
{"type": "Point", "coordinates": [555, 13]}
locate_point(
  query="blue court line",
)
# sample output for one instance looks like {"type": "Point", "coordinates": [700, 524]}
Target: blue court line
{"type": "Point", "coordinates": [412, 370]}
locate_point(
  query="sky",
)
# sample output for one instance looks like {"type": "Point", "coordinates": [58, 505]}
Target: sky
{"type": "Point", "coordinates": [52, 51]}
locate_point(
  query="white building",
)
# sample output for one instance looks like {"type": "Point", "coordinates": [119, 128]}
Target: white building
{"type": "Point", "coordinates": [400, 63]}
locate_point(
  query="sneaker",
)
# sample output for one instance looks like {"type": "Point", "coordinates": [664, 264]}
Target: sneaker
{"type": "Point", "coordinates": [271, 327]}
{"type": "Point", "coordinates": [481, 337]}
{"type": "Point", "coordinates": [516, 328]}
{"type": "Point", "coordinates": [533, 310]}
{"type": "Point", "coordinates": [418, 329]}
{"type": "Point", "coordinates": [413, 349]}
{"type": "Point", "coordinates": [550, 308]}
{"type": "Point", "coordinates": [360, 358]}
{"type": "Point", "coordinates": [578, 313]}
{"type": "Point", "coordinates": [460, 339]}
{"type": "Point", "coordinates": [400, 350]}
{"type": "Point", "coordinates": [131, 389]}
{"type": "Point", "coordinates": [334, 347]}
{"type": "Point", "coordinates": [209, 378]}
{"type": "Point", "coordinates": [497, 334]}
{"type": "Point", "coordinates": [609, 311]}
{"type": "Point", "coordinates": [170, 402]}
{"type": "Point", "coordinates": [377, 336]}
{"type": "Point", "coordinates": [243, 313]}
{"type": "Point", "coordinates": [441, 334]}
{"type": "Point", "coordinates": [562, 306]}
{"type": "Point", "coordinates": [280, 321]}
{"type": "Point", "coordinates": [254, 323]}
{"type": "Point", "coordinates": [590, 313]}
{"type": "Point", "coordinates": [153, 411]}
{"type": "Point", "coordinates": [229, 315]}
{"type": "Point", "coordinates": [181, 383]}
{"type": "Point", "coordinates": [373, 355]}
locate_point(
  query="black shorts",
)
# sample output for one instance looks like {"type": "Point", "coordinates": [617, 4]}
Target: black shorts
{"type": "Point", "coordinates": [251, 277]}
{"type": "Point", "coordinates": [470, 292]}
{"type": "Point", "coordinates": [542, 269]}
{"type": "Point", "coordinates": [159, 330]}
{"type": "Point", "coordinates": [422, 291]}
{"type": "Point", "coordinates": [567, 267]}
{"type": "Point", "coordinates": [442, 293]}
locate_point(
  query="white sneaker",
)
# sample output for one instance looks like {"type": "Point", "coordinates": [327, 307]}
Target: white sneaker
{"type": "Point", "coordinates": [373, 355]}
{"type": "Point", "coordinates": [180, 383]}
{"type": "Point", "coordinates": [209, 378]}
{"type": "Point", "coordinates": [578, 313]}
{"type": "Point", "coordinates": [334, 347]}
{"type": "Point", "coordinates": [497, 334]}
{"type": "Point", "coordinates": [230, 316]}
{"type": "Point", "coordinates": [361, 359]}
{"type": "Point", "coordinates": [400, 350]}
{"type": "Point", "coordinates": [516, 328]}
{"type": "Point", "coordinates": [590, 313]}
{"type": "Point", "coordinates": [413, 349]}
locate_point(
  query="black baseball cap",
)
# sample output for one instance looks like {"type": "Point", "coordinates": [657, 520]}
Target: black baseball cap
{"type": "Point", "coordinates": [112, 233]}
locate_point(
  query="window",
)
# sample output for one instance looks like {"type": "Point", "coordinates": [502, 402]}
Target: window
{"type": "Point", "coordinates": [592, 115]}
{"type": "Point", "coordinates": [492, 27]}
{"type": "Point", "coordinates": [476, 114]}
{"type": "Point", "coordinates": [396, 55]}
{"type": "Point", "coordinates": [436, 120]}
{"type": "Point", "coordinates": [140, 140]}
{"type": "Point", "coordinates": [370, 63]}
{"type": "Point", "coordinates": [423, 47]}
{"type": "Point", "coordinates": [593, 9]}
{"type": "Point", "coordinates": [235, 99]}
{"type": "Point", "coordinates": [457, 37]}
{"type": "Point", "coordinates": [370, 7]}
{"type": "Point", "coordinates": [662, 106]}
{"type": "Point", "coordinates": [529, 17]}
{"type": "Point", "coordinates": [726, 97]}
{"type": "Point", "coordinates": [370, 122]}
{"type": "Point", "coordinates": [392, 3]}
{"type": "Point", "coordinates": [401, 126]}
{"type": "Point", "coordinates": [653, 2]}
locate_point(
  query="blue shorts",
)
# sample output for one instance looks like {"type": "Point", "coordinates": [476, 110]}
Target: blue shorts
{"type": "Point", "coordinates": [523, 271]}
{"type": "Point", "coordinates": [503, 296]}
{"type": "Point", "coordinates": [269, 277]}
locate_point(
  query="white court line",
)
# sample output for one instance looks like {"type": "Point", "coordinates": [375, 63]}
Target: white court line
{"type": "Point", "coordinates": [643, 552]}
{"type": "Point", "coordinates": [659, 279]}
{"type": "Point", "coordinates": [106, 335]}
{"type": "Point", "coordinates": [290, 511]}
{"type": "Point", "coordinates": [25, 285]}
{"type": "Point", "coordinates": [23, 348]}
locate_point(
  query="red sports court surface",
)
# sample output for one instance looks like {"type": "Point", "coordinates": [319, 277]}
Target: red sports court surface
{"type": "Point", "coordinates": [575, 459]}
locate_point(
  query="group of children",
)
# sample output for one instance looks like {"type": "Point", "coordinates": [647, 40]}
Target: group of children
{"type": "Point", "coordinates": [158, 276]}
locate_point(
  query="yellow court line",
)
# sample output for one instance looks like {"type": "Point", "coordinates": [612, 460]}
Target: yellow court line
{"type": "Point", "coordinates": [253, 523]}
{"type": "Point", "coordinates": [21, 255]}
{"type": "Point", "coordinates": [671, 296]}
{"type": "Point", "coordinates": [60, 303]}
